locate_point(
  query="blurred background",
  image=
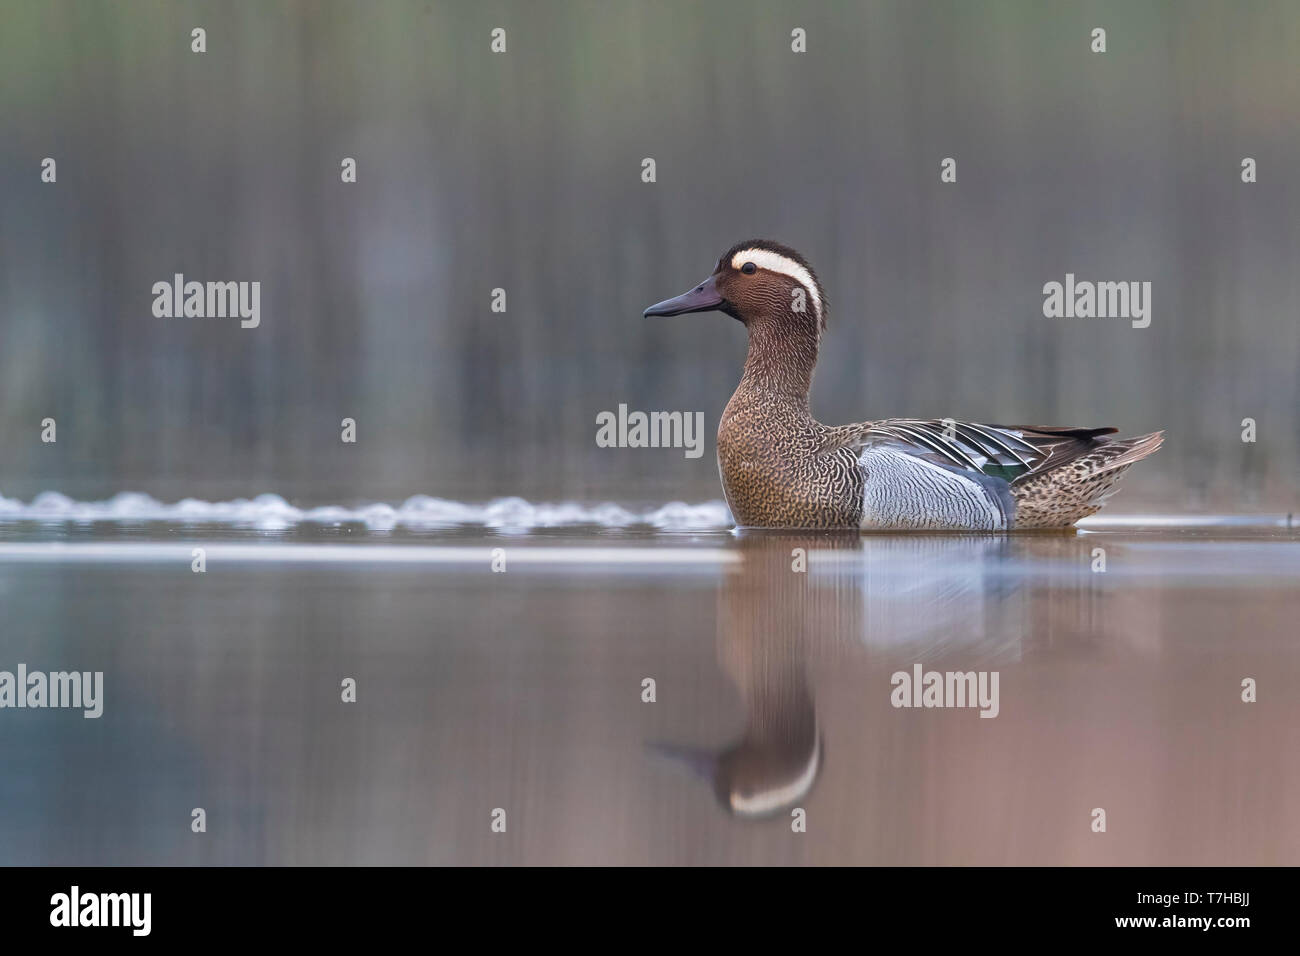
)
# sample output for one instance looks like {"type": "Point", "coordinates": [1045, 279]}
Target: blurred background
{"type": "Point", "coordinates": [523, 171]}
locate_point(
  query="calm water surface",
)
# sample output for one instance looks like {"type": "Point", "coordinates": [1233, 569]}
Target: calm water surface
{"type": "Point", "coordinates": [522, 690]}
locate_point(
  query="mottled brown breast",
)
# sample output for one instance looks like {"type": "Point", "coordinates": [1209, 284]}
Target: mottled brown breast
{"type": "Point", "coordinates": [772, 474]}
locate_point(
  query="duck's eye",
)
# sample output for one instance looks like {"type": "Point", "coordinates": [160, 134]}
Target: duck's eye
{"type": "Point", "coordinates": [749, 268]}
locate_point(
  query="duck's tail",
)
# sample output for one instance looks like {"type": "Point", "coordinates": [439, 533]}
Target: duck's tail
{"type": "Point", "coordinates": [1057, 497]}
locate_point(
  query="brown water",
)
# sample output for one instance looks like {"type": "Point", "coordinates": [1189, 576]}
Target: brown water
{"type": "Point", "coordinates": [522, 691]}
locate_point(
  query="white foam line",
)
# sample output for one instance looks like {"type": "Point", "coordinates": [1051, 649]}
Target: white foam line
{"type": "Point", "coordinates": [145, 552]}
{"type": "Point", "coordinates": [272, 512]}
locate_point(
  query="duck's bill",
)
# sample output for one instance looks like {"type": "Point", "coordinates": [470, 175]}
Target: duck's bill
{"type": "Point", "coordinates": [701, 763]}
{"type": "Point", "coordinates": [703, 298]}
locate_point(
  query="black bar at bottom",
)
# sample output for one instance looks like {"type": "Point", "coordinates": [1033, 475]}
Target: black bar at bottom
{"type": "Point", "coordinates": [333, 905]}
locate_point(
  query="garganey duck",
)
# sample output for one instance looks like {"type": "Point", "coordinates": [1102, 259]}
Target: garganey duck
{"type": "Point", "coordinates": [780, 467]}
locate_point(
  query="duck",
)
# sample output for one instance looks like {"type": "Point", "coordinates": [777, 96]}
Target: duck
{"type": "Point", "coordinates": [781, 468]}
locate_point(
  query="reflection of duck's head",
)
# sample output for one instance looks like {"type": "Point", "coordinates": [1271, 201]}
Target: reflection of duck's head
{"type": "Point", "coordinates": [757, 778]}
{"type": "Point", "coordinates": [758, 782]}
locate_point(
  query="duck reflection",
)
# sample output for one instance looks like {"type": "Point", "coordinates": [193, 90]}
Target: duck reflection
{"type": "Point", "coordinates": [882, 601]}
{"type": "Point", "coordinates": [766, 620]}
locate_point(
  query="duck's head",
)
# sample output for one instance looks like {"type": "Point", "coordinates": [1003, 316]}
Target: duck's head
{"type": "Point", "coordinates": [757, 281]}
{"type": "Point", "coordinates": [755, 779]}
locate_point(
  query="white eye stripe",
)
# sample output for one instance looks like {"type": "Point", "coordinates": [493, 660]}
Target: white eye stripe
{"type": "Point", "coordinates": [775, 262]}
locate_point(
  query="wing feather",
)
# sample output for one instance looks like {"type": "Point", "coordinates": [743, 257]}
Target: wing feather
{"type": "Point", "coordinates": [1009, 452]}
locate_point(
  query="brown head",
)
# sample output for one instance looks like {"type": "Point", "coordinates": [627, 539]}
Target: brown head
{"type": "Point", "coordinates": [757, 282]}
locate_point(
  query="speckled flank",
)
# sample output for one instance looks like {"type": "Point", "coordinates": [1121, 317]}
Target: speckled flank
{"type": "Point", "coordinates": [780, 467]}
